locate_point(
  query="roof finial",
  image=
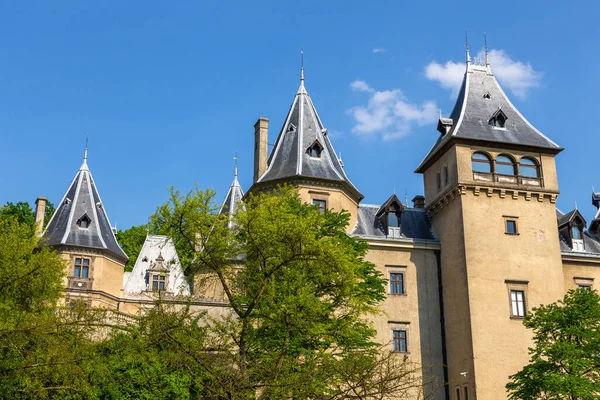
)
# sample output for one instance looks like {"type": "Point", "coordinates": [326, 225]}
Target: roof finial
{"type": "Point", "coordinates": [85, 153]}
{"type": "Point", "coordinates": [576, 205]}
{"type": "Point", "coordinates": [235, 167]}
{"type": "Point", "coordinates": [487, 59]}
{"type": "Point", "coordinates": [467, 48]}
{"type": "Point", "coordinates": [301, 89]}
{"type": "Point", "coordinates": [406, 197]}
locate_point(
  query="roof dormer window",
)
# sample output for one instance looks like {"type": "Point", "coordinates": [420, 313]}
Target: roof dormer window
{"type": "Point", "coordinates": [390, 217]}
{"type": "Point", "coordinates": [498, 119]}
{"type": "Point", "coordinates": [315, 149]}
{"type": "Point", "coordinates": [84, 221]}
{"type": "Point", "coordinates": [487, 96]}
{"type": "Point", "coordinates": [291, 127]}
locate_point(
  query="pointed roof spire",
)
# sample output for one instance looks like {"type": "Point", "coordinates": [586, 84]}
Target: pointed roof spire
{"type": "Point", "coordinates": [233, 200]}
{"type": "Point", "coordinates": [80, 219]}
{"type": "Point", "coordinates": [303, 147]}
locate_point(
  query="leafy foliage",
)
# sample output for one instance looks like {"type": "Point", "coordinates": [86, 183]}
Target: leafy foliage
{"type": "Point", "coordinates": [131, 241]}
{"type": "Point", "coordinates": [299, 290]}
{"type": "Point", "coordinates": [565, 359]}
{"type": "Point", "coordinates": [23, 212]}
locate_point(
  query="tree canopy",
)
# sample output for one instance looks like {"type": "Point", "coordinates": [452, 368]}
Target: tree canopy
{"type": "Point", "coordinates": [23, 212]}
{"type": "Point", "coordinates": [565, 358]}
{"type": "Point", "coordinates": [131, 241]}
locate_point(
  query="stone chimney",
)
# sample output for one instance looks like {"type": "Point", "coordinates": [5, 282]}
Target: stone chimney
{"type": "Point", "coordinates": [40, 210]}
{"type": "Point", "coordinates": [418, 201]}
{"type": "Point", "coordinates": [261, 147]}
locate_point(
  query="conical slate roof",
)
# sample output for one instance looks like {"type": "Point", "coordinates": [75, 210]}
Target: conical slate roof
{"type": "Point", "coordinates": [80, 219]}
{"type": "Point", "coordinates": [291, 155]}
{"type": "Point", "coordinates": [233, 200]}
{"type": "Point", "coordinates": [480, 99]}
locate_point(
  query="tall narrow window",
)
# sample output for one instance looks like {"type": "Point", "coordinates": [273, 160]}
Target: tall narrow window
{"type": "Point", "coordinates": [393, 220]}
{"type": "Point", "coordinates": [517, 302]}
{"type": "Point", "coordinates": [438, 179]}
{"type": "Point", "coordinates": [466, 391]}
{"type": "Point", "coordinates": [457, 393]}
{"type": "Point", "coordinates": [505, 165]}
{"type": "Point", "coordinates": [400, 345]}
{"type": "Point", "coordinates": [528, 168]}
{"type": "Point", "coordinates": [481, 163]}
{"type": "Point", "coordinates": [446, 175]}
{"type": "Point", "coordinates": [321, 204]}
{"type": "Point", "coordinates": [81, 268]}
{"type": "Point", "coordinates": [396, 283]}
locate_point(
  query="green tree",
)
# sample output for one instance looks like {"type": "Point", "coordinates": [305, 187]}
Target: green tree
{"type": "Point", "coordinates": [131, 241]}
{"type": "Point", "coordinates": [565, 359]}
{"type": "Point", "coordinates": [300, 293]}
{"type": "Point", "coordinates": [41, 345]}
{"type": "Point", "coordinates": [24, 213]}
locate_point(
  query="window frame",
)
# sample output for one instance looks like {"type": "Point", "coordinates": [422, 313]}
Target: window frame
{"type": "Point", "coordinates": [320, 203]}
{"type": "Point", "coordinates": [511, 162]}
{"type": "Point", "coordinates": [81, 268]}
{"type": "Point", "coordinates": [515, 302]}
{"type": "Point", "coordinates": [527, 167]}
{"type": "Point", "coordinates": [488, 161]}
{"type": "Point", "coordinates": [394, 284]}
{"type": "Point", "coordinates": [511, 219]}
{"type": "Point", "coordinates": [158, 278]}
{"type": "Point", "coordinates": [398, 340]}
{"type": "Point", "coordinates": [517, 286]}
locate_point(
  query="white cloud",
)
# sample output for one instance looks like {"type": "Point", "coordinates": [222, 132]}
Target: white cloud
{"type": "Point", "coordinates": [360, 86]}
{"type": "Point", "coordinates": [516, 76]}
{"type": "Point", "coordinates": [379, 50]}
{"type": "Point", "coordinates": [389, 114]}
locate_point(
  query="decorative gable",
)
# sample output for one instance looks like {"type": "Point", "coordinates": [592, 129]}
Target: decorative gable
{"type": "Point", "coordinates": [390, 216]}
{"type": "Point", "coordinates": [498, 119]}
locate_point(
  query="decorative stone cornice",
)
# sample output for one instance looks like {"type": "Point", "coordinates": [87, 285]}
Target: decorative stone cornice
{"type": "Point", "coordinates": [503, 193]}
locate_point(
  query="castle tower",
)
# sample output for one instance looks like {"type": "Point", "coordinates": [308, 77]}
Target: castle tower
{"type": "Point", "coordinates": [303, 156]}
{"type": "Point", "coordinates": [81, 232]}
{"type": "Point", "coordinates": [490, 188]}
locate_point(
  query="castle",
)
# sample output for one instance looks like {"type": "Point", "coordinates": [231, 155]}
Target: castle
{"type": "Point", "coordinates": [465, 264]}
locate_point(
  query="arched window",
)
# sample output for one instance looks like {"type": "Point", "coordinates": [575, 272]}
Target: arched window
{"type": "Point", "coordinates": [481, 163]}
{"type": "Point", "coordinates": [528, 168]}
{"type": "Point", "coordinates": [505, 165]}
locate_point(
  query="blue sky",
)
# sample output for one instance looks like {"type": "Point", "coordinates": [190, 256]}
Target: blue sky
{"type": "Point", "coordinates": [169, 91]}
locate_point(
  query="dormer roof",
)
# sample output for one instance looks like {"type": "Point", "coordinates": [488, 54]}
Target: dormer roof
{"type": "Point", "coordinates": [481, 98]}
{"type": "Point", "coordinates": [80, 219]}
{"type": "Point", "coordinates": [392, 202]}
{"type": "Point", "coordinates": [291, 158]}
{"type": "Point", "coordinates": [570, 217]}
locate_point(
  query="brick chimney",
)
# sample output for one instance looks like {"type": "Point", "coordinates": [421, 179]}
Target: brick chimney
{"type": "Point", "coordinates": [261, 143]}
{"type": "Point", "coordinates": [40, 210]}
{"type": "Point", "coordinates": [418, 201]}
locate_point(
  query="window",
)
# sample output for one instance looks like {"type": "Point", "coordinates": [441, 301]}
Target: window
{"type": "Point", "coordinates": [487, 96]}
{"type": "Point", "coordinates": [321, 204]}
{"type": "Point", "coordinates": [159, 282]}
{"type": "Point", "coordinates": [517, 302]}
{"type": "Point", "coordinates": [505, 165]}
{"type": "Point", "coordinates": [457, 393]}
{"type": "Point", "coordinates": [393, 220]}
{"type": "Point", "coordinates": [576, 233]}
{"type": "Point", "coordinates": [498, 120]}
{"type": "Point", "coordinates": [528, 168]}
{"type": "Point", "coordinates": [586, 287]}
{"type": "Point", "coordinates": [445, 175]}
{"type": "Point", "coordinates": [481, 163]}
{"type": "Point", "coordinates": [577, 238]}
{"type": "Point", "coordinates": [511, 227]}
{"type": "Point", "coordinates": [82, 268]}
{"type": "Point", "coordinates": [584, 283]}
{"type": "Point", "coordinates": [84, 221]}
{"type": "Point", "coordinates": [396, 283]}
{"type": "Point", "coordinates": [400, 341]}
{"type": "Point", "coordinates": [315, 150]}
{"type": "Point", "coordinates": [438, 179]}
{"type": "Point", "coordinates": [466, 397]}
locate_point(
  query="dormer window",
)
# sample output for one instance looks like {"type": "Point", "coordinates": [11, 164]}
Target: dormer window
{"type": "Point", "coordinates": [487, 96]}
{"type": "Point", "coordinates": [571, 228]}
{"type": "Point", "coordinates": [291, 127]}
{"type": "Point", "coordinates": [315, 149]}
{"type": "Point", "coordinates": [84, 221]}
{"type": "Point", "coordinates": [498, 119]}
{"type": "Point", "coordinates": [577, 236]}
{"type": "Point", "coordinates": [390, 217]}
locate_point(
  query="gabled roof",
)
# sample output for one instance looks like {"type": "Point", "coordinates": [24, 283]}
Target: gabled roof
{"type": "Point", "coordinates": [82, 202]}
{"type": "Point", "coordinates": [301, 129]}
{"type": "Point", "coordinates": [570, 216]}
{"type": "Point", "coordinates": [393, 200]}
{"type": "Point", "coordinates": [481, 98]}
{"type": "Point", "coordinates": [233, 200]}
{"type": "Point", "coordinates": [155, 247]}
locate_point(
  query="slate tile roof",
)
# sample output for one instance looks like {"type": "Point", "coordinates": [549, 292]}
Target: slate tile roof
{"type": "Point", "coordinates": [414, 223]}
{"type": "Point", "coordinates": [82, 198]}
{"type": "Point", "coordinates": [479, 99]}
